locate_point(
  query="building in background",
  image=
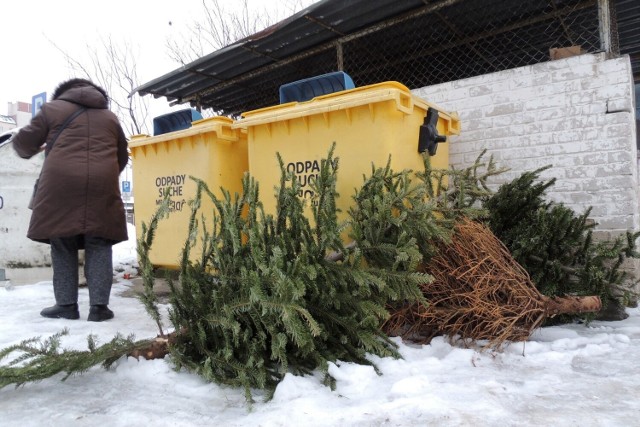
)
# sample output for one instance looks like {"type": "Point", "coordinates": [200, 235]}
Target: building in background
{"type": "Point", "coordinates": [20, 112]}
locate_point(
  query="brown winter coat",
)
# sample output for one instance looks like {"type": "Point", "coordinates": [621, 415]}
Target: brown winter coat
{"type": "Point", "coordinates": [78, 191]}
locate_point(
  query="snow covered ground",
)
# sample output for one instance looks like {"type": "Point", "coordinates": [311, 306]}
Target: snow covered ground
{"type": "Point", "coordinates": [573, 375]}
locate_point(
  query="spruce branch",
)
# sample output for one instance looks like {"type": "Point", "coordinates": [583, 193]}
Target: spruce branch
{"type": "Point", "coordinates": [460, 193]}
{"type": "Point", "coordinates": [148, 296]}
{"type": "Point", "coordinates": [36, 359]}
{"type": "Point", "coordinates": [555, 244]}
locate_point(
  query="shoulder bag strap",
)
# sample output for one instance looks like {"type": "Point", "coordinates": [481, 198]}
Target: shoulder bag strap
{"type": "Point", "coordinates": [49, 146]}
{"type": "Point", "coordinates": [64, 125]}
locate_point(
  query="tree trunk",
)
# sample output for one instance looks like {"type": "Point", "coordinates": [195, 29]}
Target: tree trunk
{"type": "Point", "coordinates": [571, 305]}
{"type": "Point", "coordinates": [156, 349]}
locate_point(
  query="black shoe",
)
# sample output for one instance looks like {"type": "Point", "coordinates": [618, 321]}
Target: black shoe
{"type": "Point", "coordinates": [98, 313]}
{"type": "Point", "coordinates": [67, 311]}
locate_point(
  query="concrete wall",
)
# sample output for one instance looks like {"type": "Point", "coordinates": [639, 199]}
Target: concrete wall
{"type": "Point", "coordinates": [17, 177]}
{"type": "Point", "coordinates": [16, 185]}
{"type": "Point", "coordinates": [576, 114]}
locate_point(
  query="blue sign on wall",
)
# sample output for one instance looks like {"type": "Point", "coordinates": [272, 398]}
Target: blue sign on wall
{"type": "Point", "coordinates": [36, 102]}
{"type": "Point", "coordinates": [126, 186]}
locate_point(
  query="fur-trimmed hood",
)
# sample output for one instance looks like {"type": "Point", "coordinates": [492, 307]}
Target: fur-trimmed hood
{"type": "Point", "coordinates": [83, 92]}
{"type": "Point", "coordinates": [65, 86]}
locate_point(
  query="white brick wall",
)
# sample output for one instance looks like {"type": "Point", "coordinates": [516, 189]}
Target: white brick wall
{"type": "Point", "coordinates": [576, 114]}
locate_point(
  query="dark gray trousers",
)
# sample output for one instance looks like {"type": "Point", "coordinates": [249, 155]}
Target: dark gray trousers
{"type": "Point", "coordinates": [98, 268]}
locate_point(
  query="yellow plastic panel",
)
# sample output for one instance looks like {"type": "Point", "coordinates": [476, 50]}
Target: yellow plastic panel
{"type": "Point", "coordinates": [210, 150]}
{"type": "Point", "coordinates": [367, 124]}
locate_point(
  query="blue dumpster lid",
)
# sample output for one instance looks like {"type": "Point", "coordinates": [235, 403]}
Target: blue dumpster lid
{"type": "Point", "coordinates": [306, 89]}
{"type": "Point", "coordinates": [177, 120]}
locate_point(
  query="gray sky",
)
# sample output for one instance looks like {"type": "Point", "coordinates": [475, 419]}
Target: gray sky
{"type": "Point", "coordinates": [32, 65]}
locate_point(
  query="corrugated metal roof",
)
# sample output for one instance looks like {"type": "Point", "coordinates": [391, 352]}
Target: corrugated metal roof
{"type": "Point", "coordinates": [235, 79]}
{"type": "Point", "coordinates": [310, 28]}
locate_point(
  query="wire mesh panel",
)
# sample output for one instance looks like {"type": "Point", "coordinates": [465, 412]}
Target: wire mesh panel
{"type": "Point", "coordinates": [433, 42]}
{"type": "Point", "coordinates": [464, 39]}
{"type": "Point", "coordinates": [470, 38]}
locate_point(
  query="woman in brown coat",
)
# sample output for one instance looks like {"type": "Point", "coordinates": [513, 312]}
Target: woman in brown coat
{"type": "Point", "coordinates": [77, 204]}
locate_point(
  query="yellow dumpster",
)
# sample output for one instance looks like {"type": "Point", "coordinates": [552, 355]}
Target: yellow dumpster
{"type": "Point", "coordinates": [210, 150]}
{"type": "Point", "coordinates": [367, 124]}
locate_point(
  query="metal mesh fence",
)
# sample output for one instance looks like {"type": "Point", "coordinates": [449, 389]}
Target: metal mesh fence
{"type": "Point", "coordinates": [470, 38]}
{"type": "Point", "coordinates": [443, 41]}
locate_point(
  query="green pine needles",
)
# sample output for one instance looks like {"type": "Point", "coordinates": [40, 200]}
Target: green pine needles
{"type": "Point", "coordinates": [554, 244]}
{"type": "Point", "coordinates": [35, 359]}
{"type": "Point", "coordinates": [392, 218]}
{"type": "Point", "coordinates": [268, 294]}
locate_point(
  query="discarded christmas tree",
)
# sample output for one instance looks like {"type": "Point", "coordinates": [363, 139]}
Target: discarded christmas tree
{"type": "Point", "coordinates": [266, 297]}
{"type": "Point", "coordinates": [479, 292]}
{"type": "Point", "coordinates": [555, 245]}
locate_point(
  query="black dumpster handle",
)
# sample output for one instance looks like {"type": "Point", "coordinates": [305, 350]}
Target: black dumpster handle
{"type": "Point", "coordinates": [429, 138]}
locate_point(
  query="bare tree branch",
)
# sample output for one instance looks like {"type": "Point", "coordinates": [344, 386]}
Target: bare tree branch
{"type": "Point", "coordinates": [221, 27]}
{"type": "Point", "coordinates": [113, 66]}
